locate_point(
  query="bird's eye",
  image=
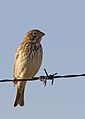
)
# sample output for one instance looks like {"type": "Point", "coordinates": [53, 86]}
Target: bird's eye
{"type": "Point", "coordinates": [34, 33]}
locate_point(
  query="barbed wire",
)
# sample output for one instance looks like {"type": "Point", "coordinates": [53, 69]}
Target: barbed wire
{"type": "Point", "coordinates": [44, 78]}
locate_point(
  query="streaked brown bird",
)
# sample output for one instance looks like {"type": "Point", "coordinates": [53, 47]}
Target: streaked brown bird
{"type": "Point", "coordinates": [28, 59]}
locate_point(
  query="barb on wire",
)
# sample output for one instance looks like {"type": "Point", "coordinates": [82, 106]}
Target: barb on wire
{"type": "Point", "coordinates": [51, 77]}
{"type": "Point", "coordinates": [44, 78]}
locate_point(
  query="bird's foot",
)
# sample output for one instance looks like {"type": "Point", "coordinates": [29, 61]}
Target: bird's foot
{"type": "Point", "coordinates": [15, 81]}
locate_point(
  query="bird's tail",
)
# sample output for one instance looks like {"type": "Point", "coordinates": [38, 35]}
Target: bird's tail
{"type": "Point", "coordinates": [19, 96]}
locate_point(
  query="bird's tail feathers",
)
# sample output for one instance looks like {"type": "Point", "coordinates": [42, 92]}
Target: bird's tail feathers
{"type": "Point", "coordinates": [19, 97]}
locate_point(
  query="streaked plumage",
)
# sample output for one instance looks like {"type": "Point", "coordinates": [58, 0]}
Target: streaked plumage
{"type": "Point", "coordinates": [27, 62]}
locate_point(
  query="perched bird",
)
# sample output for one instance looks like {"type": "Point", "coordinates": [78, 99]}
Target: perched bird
{"type": "Point", "coordinates": [28, 59]}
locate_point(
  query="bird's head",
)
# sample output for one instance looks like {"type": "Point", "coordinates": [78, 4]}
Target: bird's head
{"type": "Point", "coordinates": [34, 36]}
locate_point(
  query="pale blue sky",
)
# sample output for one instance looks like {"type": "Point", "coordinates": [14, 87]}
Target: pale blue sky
{"type": "Point", "coordinates": [63, 22]}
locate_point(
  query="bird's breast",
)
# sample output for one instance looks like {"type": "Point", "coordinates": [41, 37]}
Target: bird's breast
{"type": "Point", "coordinates": [29, 62]}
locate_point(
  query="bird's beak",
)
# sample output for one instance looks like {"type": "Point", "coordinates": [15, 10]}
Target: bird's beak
{"type": "Point", "coordinates": [43, 34]}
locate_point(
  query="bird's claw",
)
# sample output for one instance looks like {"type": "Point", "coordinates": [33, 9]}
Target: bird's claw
{"type": "Point", "coordinates": [15, 81]}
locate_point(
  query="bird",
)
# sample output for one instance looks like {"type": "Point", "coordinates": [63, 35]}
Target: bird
{"type": "Point", "coordinates": [27, 61]}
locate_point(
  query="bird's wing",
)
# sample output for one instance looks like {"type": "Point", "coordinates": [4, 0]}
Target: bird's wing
{"type": "Point", "coordinates": [19, 63]}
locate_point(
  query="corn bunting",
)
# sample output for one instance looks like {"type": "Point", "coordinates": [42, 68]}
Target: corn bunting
{"type": "Point", "coordinates": [27, 62]}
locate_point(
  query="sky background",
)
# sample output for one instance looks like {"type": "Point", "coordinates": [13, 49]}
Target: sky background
{"type": "Point", "coordinates": [63, 22]}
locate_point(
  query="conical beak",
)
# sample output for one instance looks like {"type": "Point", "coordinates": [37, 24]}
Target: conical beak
{"type": "Point", "coordinates": [43, 34]}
